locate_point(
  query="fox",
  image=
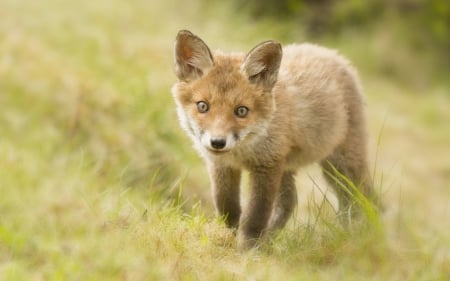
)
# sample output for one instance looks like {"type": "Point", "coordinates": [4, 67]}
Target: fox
{"type": "Point", "coordinates": [270, 112]}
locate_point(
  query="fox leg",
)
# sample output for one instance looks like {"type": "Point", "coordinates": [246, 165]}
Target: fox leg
{"type": "Point", "coordinates": [225, 187]}
{"type": "Point", "coordinates": [285, 202]}
{"type": "Point", "coordinates": [264, 184]}
{"type": "Point", "coordinates": [354, 168]}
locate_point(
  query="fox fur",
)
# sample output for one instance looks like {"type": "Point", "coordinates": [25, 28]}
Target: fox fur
{"type": "Point", "coordinates": [270, 111]}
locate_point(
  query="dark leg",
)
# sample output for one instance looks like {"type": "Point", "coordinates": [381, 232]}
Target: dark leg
{"type": "Point", "coordinates": [354, 169]}
{"type": "Point", "coordinates": [264, 184]}
{"type": "Point", "coordinates": [285, 202]}
{"type": "Point", "coordinates": [225, 186]}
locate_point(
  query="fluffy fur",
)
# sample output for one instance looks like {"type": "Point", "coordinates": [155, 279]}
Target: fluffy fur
{"type": "Point", "coordinates": [270, 111]}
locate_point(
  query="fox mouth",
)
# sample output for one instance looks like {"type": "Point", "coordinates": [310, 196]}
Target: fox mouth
{"type": "Point", "coordinates": [218, 151]}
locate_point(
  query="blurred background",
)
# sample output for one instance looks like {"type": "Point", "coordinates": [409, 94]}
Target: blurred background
{"type": "Point", "coordinates": [86, 109]}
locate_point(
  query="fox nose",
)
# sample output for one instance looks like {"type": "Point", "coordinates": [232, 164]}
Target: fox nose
{"type": "Point", "coordinates": [218, 143]}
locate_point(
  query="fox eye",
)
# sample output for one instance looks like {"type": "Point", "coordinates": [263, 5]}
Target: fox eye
{"type": "Point", "coordinates": [241, 111]}
{"type": "Point", "coordinates": [202, 107]}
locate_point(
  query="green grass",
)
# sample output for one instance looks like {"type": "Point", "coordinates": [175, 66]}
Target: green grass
{"type": "Point", "coordinates": [98, 182]}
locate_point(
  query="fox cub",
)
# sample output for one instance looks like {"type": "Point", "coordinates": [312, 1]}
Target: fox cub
{"type": "Point", "coordinates": [270, 111]}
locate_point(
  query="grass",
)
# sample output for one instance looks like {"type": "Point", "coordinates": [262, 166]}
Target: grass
{"type": "Point", "coordinates": [98, 182]}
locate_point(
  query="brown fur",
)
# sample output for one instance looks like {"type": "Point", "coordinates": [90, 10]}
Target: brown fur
{"type": "Point", "coordinates": [302, 105]}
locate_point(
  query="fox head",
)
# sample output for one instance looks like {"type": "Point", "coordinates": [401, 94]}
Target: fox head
{"type": "Point", "coordinates": [224, 100]}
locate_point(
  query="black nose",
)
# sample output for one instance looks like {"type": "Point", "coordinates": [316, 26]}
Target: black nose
{"type": "Point", "coordinates": [218, 143]}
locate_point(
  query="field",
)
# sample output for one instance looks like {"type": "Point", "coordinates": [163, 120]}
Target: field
{"type": "Point", "coordinates": [98, 182]}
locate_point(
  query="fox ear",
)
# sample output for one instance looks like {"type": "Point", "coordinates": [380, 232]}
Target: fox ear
{"type": "Point", "coordinates": [262, 63]}
{"type": "Point", "coordinates": [193, 58]}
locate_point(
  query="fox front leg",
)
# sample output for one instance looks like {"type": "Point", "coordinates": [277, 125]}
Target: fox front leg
{"type": "Point", "coordinates": [225, 188]}
{"type": "Point", "coordinates": [264, 184]}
